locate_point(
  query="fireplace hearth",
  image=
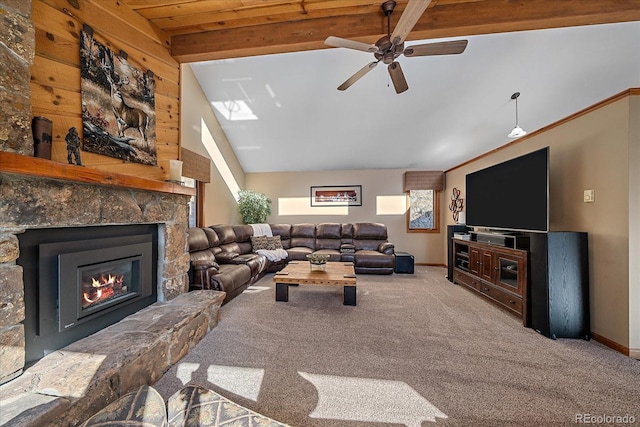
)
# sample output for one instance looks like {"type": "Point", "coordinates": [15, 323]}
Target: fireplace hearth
{"type": "Point", "coordinates": [81, 280]}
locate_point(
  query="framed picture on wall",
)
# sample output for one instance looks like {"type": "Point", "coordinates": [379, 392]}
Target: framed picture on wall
{"type": "Point", "coordinates": [340, 195]}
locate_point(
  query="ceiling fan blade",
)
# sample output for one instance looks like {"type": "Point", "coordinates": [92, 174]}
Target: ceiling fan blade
{"type": "Point", "coordinates": [397, 77]}
{"type": "Point", "coordinates": [413, 12]}
{"type": "Point", "coordinates": [357, 76]}
{"type": "Point", "coordinates": [350, 44]}
{"type": "Point", "coordinates": [442, 48]}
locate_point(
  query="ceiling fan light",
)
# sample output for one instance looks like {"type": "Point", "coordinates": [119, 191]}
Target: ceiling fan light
{"type": "Point", "coordinates": [517, 132]}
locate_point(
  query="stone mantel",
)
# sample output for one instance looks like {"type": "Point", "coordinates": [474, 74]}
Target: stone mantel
{"type": "Point", "coordinates": [33, 166]}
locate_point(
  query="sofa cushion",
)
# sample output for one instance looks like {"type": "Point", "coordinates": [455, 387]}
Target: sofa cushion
{"type": "Point", "coordinates": [366, 245]}
{"type": "Point", "coordinates": [214, 240]}
{"type": "Point", "coordinates": [225, 233]}
{"type": "Point", "coordinates": [198, 240]}
{"type": "Point", "coordinates": [369, 231]}
{"type": "Point", "coordinates": [374, 259]}
{"type": "Point", "coordinates": [303, 235]}
{"type": "Point", "coordinates": [328, 230]}
{"type": "Point", "coordinates": [243, 232]}
{"type": "Point", "coordinates": [303, 230]}
{"type": "Point", "coordinates": [299, 253]}
{"type": "Point", "coordinates": [282, 230]}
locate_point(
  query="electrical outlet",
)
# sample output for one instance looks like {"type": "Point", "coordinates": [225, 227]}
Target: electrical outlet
{"type": "Point", "coordinates": [589, 196]}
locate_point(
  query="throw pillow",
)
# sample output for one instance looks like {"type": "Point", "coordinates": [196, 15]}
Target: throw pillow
{"type": "Point", "coordinates": [274, 243]}
{"type": "Point", "coordinates": [258, 242]}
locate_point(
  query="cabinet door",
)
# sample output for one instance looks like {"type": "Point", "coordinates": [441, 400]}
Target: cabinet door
{"type": "Point", "coordinates": [487, 266]}
{"type": "Point", "coordinates": [475, 261]}
{"type": "Point", "coordinates": [510, 271]}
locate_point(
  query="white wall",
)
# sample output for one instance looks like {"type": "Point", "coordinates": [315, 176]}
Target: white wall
{"type": "Point", "coordinates": [198, 124]}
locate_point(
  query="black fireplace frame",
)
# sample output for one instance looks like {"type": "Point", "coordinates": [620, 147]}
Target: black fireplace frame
{"type": "Point", "coordinates": [73, 257]}
{"type": "Point", "coordinates": [42, 332]}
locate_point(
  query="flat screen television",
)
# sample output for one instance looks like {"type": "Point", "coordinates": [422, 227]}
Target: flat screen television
{"type": "Point", "coordinates": [513, 195]}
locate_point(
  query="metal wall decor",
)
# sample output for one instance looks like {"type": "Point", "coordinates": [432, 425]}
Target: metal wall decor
{"type": "Point", "coordinates": [118, 104]}
{"type": "Point", "coordinates": [456, 204]}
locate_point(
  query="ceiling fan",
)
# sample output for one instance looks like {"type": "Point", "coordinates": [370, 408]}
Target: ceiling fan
{"type": "Point", "coordinates": [391, 46]}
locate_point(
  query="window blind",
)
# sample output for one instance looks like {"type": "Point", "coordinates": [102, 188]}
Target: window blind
{"type": "Point", "coordinates": [195, 166]}
{"type": "Point", "coordinates": [423, 180]}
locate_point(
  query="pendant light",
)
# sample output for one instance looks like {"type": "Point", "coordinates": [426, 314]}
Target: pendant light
{"type": "Point", "coordinates": [517, 131]}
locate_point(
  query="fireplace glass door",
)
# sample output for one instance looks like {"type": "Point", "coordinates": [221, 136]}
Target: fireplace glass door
{"type": "Point", "coordinates": [107, 283]}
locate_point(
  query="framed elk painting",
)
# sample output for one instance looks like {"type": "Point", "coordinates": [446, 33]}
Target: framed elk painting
{"type": "Point", "coordinates": [118, 105]}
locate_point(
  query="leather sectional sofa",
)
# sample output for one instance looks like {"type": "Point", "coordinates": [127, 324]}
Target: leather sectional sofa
{"type": "Point", "coordinates": [222, 256]}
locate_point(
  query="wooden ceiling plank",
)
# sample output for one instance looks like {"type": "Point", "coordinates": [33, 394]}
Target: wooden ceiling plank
{"type": "Point", "coordinates": [198, 24]}
{"type": "Point", "coordinates": [118, 10]}
{"type": "Point", "coordinates": [201, 18]}
{"type": "Point", "coordinates": [210, 7]}
{"type": "Point", "coordinates": [142, 4]}
{"type": "Point", "coordinates": [444, 20]}
{"type": "Point", "coordinates": [126, 34]}
{"type": "Point", "coordinates": [215, 6]}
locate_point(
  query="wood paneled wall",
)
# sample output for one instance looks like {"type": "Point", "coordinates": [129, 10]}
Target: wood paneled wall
{"type": "Point", "coordinates": [55, 74]}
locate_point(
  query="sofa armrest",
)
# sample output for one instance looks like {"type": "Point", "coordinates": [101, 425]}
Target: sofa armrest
{"type": "Point", "coordinates": [203, 278]}
{"type": "Point", "coordinates": [347, 248]}
{"type": "Point", "coordinates": [226, 257]}
{"type": "Point", "coordinates": [203, 264]}
{"type": "Point", "coordinates": [386, 248]}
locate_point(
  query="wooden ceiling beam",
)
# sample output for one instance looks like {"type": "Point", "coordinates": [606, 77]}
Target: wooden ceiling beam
{"type": "Point", "coordinates": [445, 19]}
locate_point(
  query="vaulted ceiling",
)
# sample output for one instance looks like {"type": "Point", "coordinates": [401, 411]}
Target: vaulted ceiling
{"type": "Point", "coordinates": [457, 106]}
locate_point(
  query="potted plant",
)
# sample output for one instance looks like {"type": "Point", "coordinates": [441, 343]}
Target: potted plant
{"type": "Point", "coordinates": [254, 207]}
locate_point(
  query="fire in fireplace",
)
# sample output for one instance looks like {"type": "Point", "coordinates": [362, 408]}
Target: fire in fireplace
{"type": "Point", "coordinates": [80, 280]}
{"type": "Point", "coordinates": [105, 288]}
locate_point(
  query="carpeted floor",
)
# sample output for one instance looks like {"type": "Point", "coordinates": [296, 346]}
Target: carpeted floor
{"type": "Point", "coordinates": [415, 351]}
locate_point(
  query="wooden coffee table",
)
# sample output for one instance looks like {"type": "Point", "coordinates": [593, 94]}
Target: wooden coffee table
{"type": "Point", "coordinates": [300, 273]}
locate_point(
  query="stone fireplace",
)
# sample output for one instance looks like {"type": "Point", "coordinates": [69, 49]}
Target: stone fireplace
{"type": "Point", "coordinates": [53, 198]}
{"type": "Point", "coordinates": [63, 211]}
